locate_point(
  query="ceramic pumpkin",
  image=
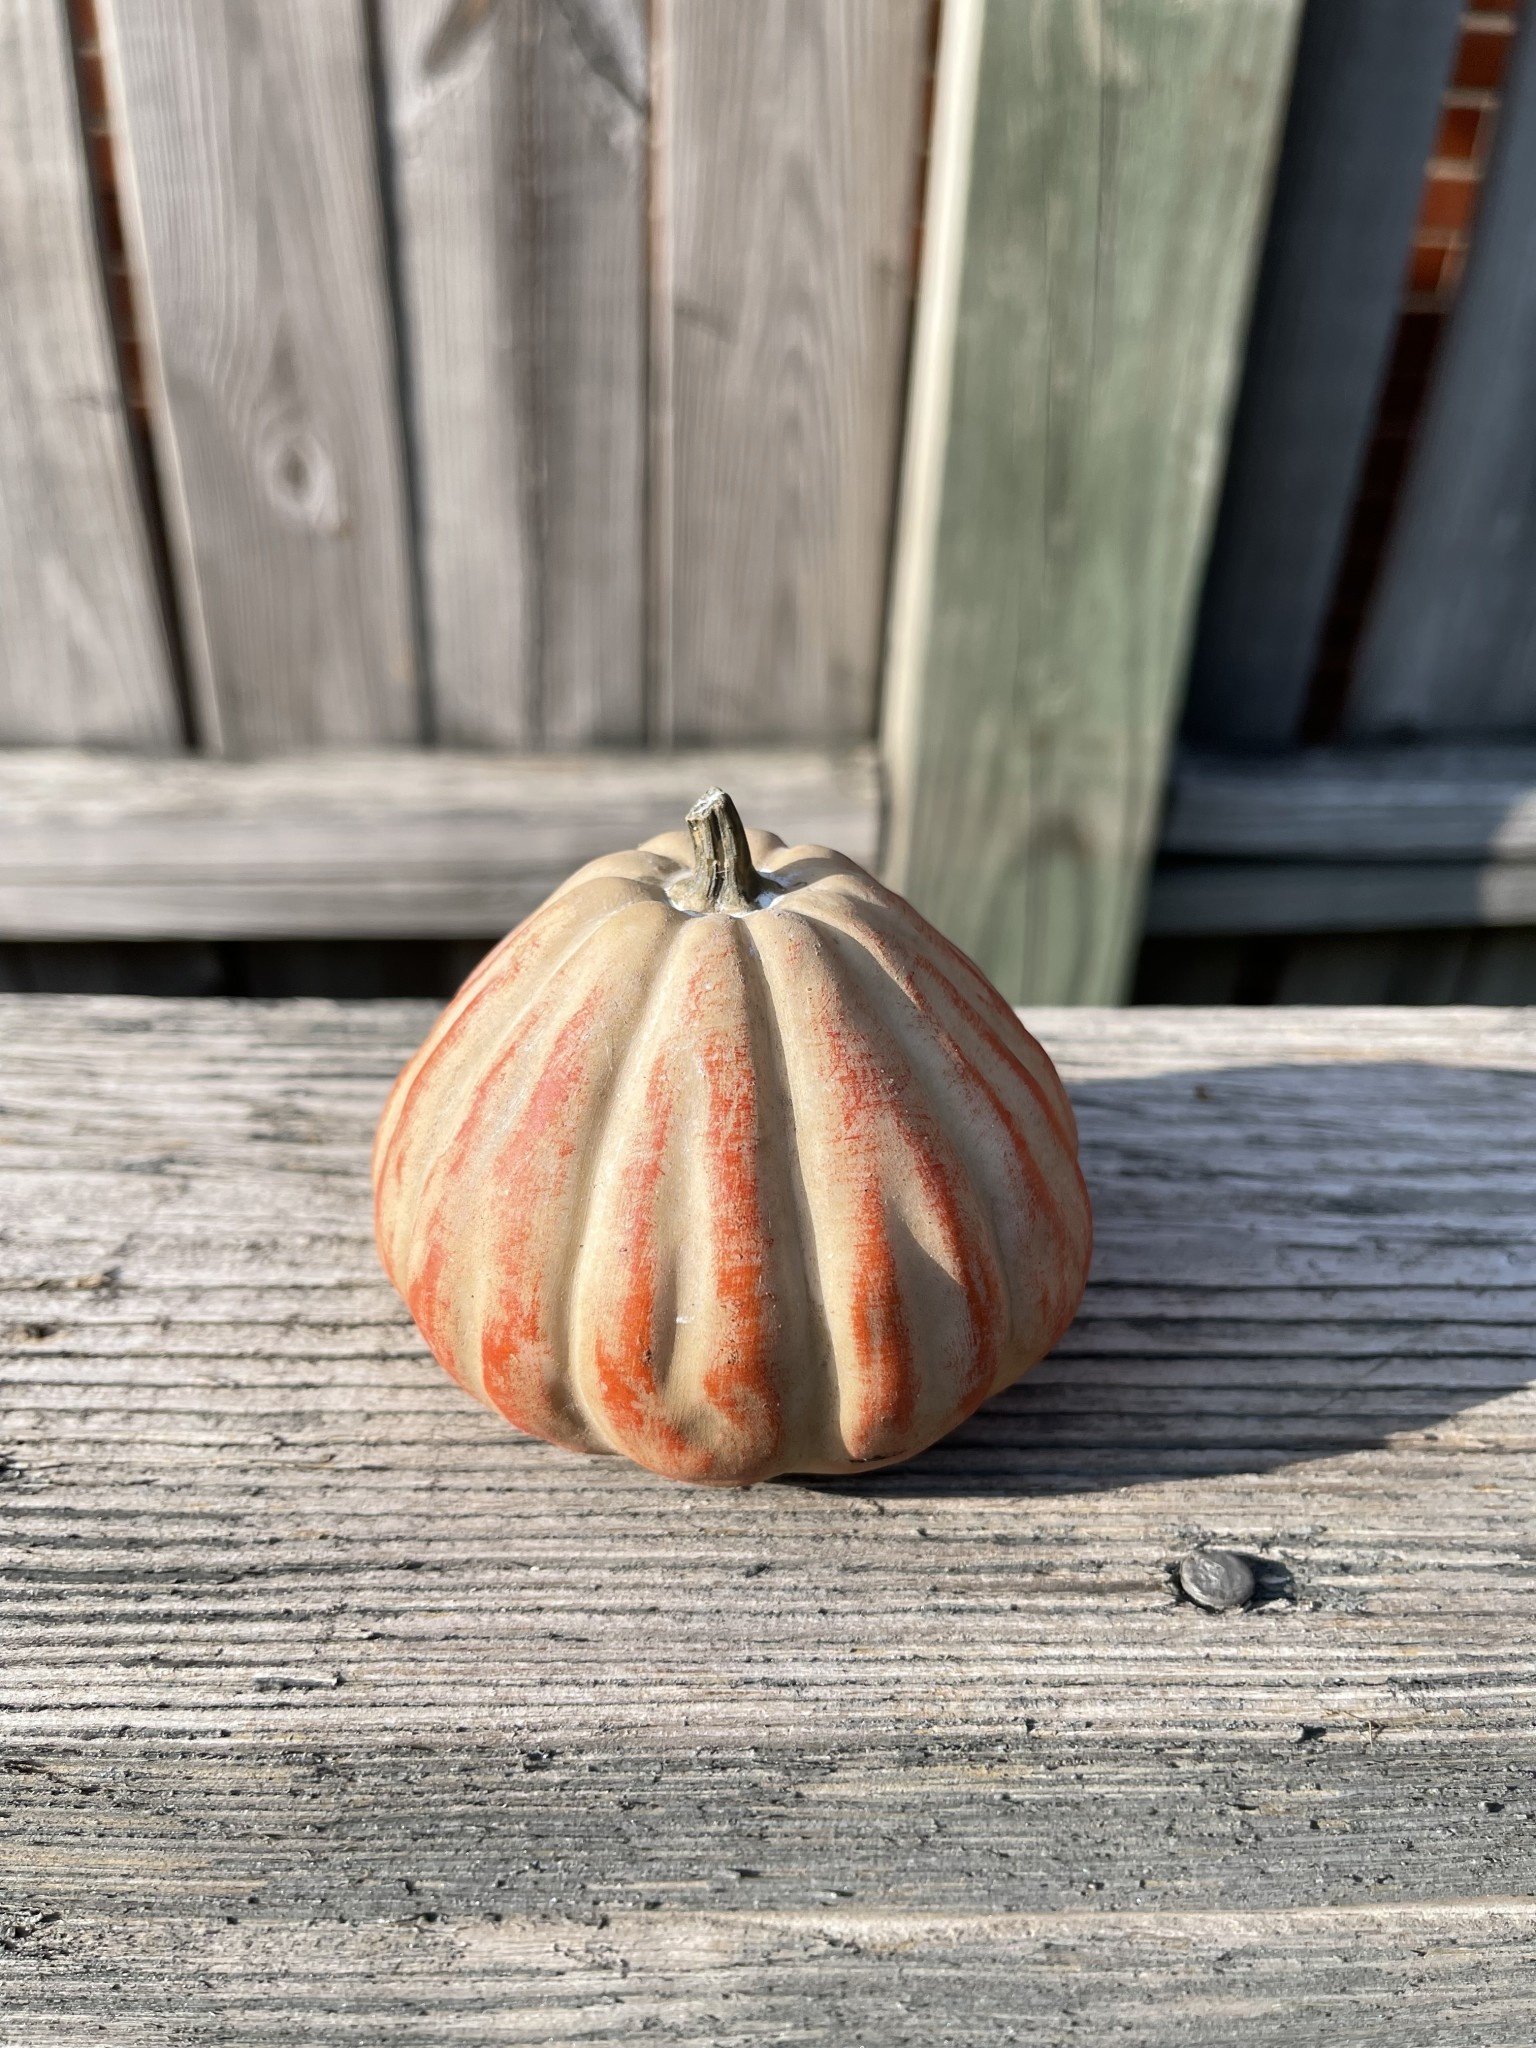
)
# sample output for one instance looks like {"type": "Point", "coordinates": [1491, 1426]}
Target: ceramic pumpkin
{"type": "Point", "coordinates": [727, 1161]}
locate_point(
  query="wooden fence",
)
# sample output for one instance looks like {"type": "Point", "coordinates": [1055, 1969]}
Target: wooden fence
{"type": "Point", "coordinates": [1395, 857]}
{"type": "Point", "coordinates": [438, 435]}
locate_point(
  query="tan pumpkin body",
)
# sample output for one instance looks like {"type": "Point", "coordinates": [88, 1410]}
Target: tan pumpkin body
{"type": "Point", "coordinates": [780, 1189]}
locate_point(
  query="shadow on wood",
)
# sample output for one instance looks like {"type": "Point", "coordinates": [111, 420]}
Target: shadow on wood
{"type": "Point", "coordinates": [1286, 1271]}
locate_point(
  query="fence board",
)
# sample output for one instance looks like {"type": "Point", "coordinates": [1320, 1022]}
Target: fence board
{"type": "Point", "coordinates": [1078, 392]}
{"type": "Point", "coordinates": [394, 842]}
{"type": "Point", "coordinates": [83, 654]}
{"type": "Point", "coordinates": [1232, 897]}
{"type": "Point", "coordinates": [1369, 77]}
{"type": "Point", "coordinates": [1451, 646]}
{"type": "Point", "coordinates": [519, 137]}
{"type": "Point", "coordinates": [1411, 803]}
{"type": "Point", "coordinates": [251, 197]}
{"type": "Point", "coordinates": [787, 151]}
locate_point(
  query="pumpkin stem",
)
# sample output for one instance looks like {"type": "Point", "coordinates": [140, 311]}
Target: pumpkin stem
{"type": "Point", "coordinates": [724, 876]}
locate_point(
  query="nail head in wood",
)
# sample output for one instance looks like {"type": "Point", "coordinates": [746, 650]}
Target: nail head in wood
{"type": "Point", "coordinates": [1217, 1579]}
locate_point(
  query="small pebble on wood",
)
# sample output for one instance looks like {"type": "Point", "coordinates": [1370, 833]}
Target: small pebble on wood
{"type": "Point", "coordinates": [1217, 1579]}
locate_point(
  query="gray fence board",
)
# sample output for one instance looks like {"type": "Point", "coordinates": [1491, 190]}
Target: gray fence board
{"type": "Point", "coordinates": [787, 148]}
{"type": "Point", "coordinates": [83, 653]}
{"type": "Point", "coordinates": [518, 147]}
{"type": "Point", "coordinates": [1451, 647]}
{"type": "Point", "coordinates": [1068, 432]}
{"type": "Point", "coordinates": [1369, 77]}
{"type": "Point", "coordinates": [1234, 897]}
{"type": "Point", "coordinates": [1418, 802]}
{"type": "Point", "coordinates": [251, 197]}
{"type": "Point", "coordinates": [392, 842]}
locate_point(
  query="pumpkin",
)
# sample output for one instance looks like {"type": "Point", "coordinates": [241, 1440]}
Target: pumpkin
{"type": "Point", "coordinates": [726, 1160]}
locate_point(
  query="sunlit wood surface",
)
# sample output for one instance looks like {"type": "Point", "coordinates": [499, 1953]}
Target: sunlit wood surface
{"type": "Point", "coordinates": [335, 1712]}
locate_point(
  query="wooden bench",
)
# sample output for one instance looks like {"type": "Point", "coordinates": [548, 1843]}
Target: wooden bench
{"type": "Point", "coordinates": [336, 1712]}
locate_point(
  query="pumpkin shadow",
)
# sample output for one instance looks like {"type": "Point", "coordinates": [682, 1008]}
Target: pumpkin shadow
{"type": "Point", "coordinates": [1291, 1263]}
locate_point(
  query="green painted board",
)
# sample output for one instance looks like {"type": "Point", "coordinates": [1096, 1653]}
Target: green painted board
{"type": "Point", "coordinates": [1097, 200]}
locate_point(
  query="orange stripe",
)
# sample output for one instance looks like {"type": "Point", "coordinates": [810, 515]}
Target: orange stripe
{"type": "Point", "coordinates": [520, 1357]}
{"type": "Point", "coordinates": [882, 1340]}
{"type": "Point", "coordinates": [530, 1163]}
{"type": "Point", "coordinates": [1005, 1052]}
{"type": "Point", "coordinates": [738, 1384]}
{"type": "Point", "coordinates": [496, 976]}
{"type": "Point", "coordinates": [883, 1343]}
{"type": "Point", "coordinates": [981, 1278]}
{"type": "Point", "coordinates": [1002, 1011]}
{"type": "Point", "coordinates": [435, 1223]}
{"type": "Point", "coordinates": [905, 976]}
{"type": "Point", "coordinates": [1049, 1304]}
{"type": "Point", "coordinates": [494, 972]}
{"type": "Point", "coordinates": [740, 1381]}
{"type": "Point", "coordinates": [624, 1336]}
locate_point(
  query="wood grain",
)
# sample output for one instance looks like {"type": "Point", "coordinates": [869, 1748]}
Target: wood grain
{"type": "Point", "coordinates": [1361, 123]}
{"type": "Point", "coordinates": [1355, 803]}
{"type": "Point", "coordinates": [333, 1710]}
{"type": "Point", "coordinates": [823, 1976]}
{"type": "Point", "coordinates": [435, 844]}
{"type": "Point", "coordinates": [1114, 188]}
{"type": "Point", "coordinates": [251, 202]}
{"type": "Point", "coordinates": [786, 155]}
{"type": "Point", "coordinates": [1451, 643]}
{"type": "Point", "coordinates": [83, 653]}
{"type": "Point", "coordinates": [519, 137]}
{"type": "Point", "coordinates": [1355, 839]}
{"type": "Point", "coordinates": [1350, 896]}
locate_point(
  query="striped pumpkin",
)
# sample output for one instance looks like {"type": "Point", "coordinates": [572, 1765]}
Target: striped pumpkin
{"type": "Point", "coordinates": [727, 1161]}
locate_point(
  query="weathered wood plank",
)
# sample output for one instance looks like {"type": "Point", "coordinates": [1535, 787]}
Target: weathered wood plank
{"type": "Point", "coordinates": [786, 155]}
{"type": "Point", "coordinates": [1413, 803]}
{"type": "Point", "coordinates": [83, 652]}
{"type": "Point", "coordinates": [1451, 645]}
{"type": "Point", "coordinates": [333, 1710]}
{"type": "Point", "coordinates": [1366, 97]}
{"type": "Point", "coordinates": [825, 1975]}
{"type": "Point", "coordinates": [1079, 384]}
{"type": "Point", "coordinates": [251, 202]}
{"type": "Point", "coordinates": [1353, 896]}
{"type": "Point", "coordinates": [435, 844]}
{"type": "Point", "coordinates": [1395, 839]}
{"type": "Point", "coordinates": [519, 152]}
